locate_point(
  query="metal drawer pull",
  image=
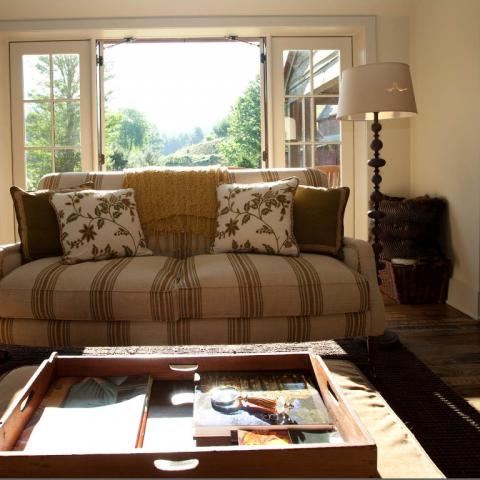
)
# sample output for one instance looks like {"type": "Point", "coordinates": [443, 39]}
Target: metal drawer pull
{"type": "Point", "coordinates": [176, 465]}
{"type": "Point", "coordinates": [176, 367]}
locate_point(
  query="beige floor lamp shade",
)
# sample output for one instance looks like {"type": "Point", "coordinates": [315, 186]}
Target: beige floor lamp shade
{"type": "Point", "coordinates": [376, 92]}
{"type": "Point", "coordinates": [385, 88]}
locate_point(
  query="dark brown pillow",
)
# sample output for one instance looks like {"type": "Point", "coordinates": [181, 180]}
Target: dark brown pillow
{"type": "Point", "coordinates": [318, 218]}
{"type": "Point", "coordinates": [37, 222]}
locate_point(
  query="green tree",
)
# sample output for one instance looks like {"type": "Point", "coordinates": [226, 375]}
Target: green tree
{"type": "Point", "coordinates": [38, 163]}
{"type": "Point", "coordinates": [172, 143]}
{"type": "Point", "coordinates": [196, 136]}
{"type": "Point", "coordinates": [220, 129]}
{"type": "Point", "coordinates": [116, 159]}
{"type": "Point", "coordinates": [131, 140]}
{"type": "Point", "coordinates": [132, 131]}
{"type": "Point", "coordinates": [242, 146]}
{"type": "Point", "coordinates": [38, 118]}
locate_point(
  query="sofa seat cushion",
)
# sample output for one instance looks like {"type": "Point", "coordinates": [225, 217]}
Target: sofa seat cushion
{"type": "Point", "coordinates": [251, 286]}
{"type": "Point", "coordinates": [123, 289]}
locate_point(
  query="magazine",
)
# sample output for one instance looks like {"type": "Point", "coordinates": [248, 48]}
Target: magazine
{"type": "Point", "coordinates": [95, 414]}
{"type": "Point", "coordinates": [263, 400]}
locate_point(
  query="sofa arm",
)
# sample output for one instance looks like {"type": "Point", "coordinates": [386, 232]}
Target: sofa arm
{"type": "Point", "coordinates": [10, 258]}
{"type": "Point", "coordinates": [359, 256]}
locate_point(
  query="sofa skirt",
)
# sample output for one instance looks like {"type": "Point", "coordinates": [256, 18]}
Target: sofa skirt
{"type": "Point", "coordinates": [58, 333]}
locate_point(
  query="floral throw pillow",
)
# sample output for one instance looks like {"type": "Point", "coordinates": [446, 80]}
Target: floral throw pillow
{"type": "Point", "coordinates": [256, 218]}
{"type": "Point", "coordinates": [99, 224]}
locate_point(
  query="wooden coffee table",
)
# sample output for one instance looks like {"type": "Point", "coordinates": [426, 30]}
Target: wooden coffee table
{"type": "Point", "coordinates": [354, 456]}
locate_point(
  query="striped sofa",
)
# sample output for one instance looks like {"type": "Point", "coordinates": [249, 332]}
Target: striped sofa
{"type": "Point", "coordinates": [184, 295]}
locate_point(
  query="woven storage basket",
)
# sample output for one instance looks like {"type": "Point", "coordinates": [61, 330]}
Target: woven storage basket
{"type": "Point", "coordinates": [411, 227]}
{"type": "Point", "coordinates": [424, 282]}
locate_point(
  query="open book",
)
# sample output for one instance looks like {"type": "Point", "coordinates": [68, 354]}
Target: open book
{"type": "Point", "coordinates": [95, 414]}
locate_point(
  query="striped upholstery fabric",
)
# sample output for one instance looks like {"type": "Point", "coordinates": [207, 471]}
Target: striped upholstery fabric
{"type": "Point", "coordinates": [10, 258]}
{"type": "Point", "coordinates": [101, 180]}
{"type": "Point", "coordinates": [255, 286]}
{"type": "Point", "coordinates": [19, 326]}
{"type": "Point", "coordinates": [125, 289]}
{"type": "Point", "coordinates": [113, 180]}
{"type": "Point", "coordinates": [181, 245]}
{"type": "Point", "coordinates": [307, 176]}
{"type": "Point", "coordinates": [178, 245]}
{"type": "Point", "coordinates": [55, 333]}
{"type": "Point", "coordinates": [164, 289]}
{"type": "Point", "coordinates": [358, 255]}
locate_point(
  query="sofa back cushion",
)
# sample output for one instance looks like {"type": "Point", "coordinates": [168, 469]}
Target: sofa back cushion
{"type": "Point", "coordinates": [318, 219]}
{"type": "Point", "coordinates": [37, 222]}
{"type": "Point", "coordinates": [182, 245]}
{"type": "Point", "coordinates": [99, 225]}
{"type": "Point", "coordinates": [256, 218]}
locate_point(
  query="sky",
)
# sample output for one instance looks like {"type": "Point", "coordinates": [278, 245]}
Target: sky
{"type": "Point", "coordinates": [180, 86]}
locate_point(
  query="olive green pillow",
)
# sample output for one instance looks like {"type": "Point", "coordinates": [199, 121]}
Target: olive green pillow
{"type": "Point", "coordinates": [318, 218]}
{"type": "Point", "coordinates": [37, 222]}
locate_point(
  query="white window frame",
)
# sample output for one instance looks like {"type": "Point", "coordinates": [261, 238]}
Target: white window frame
{"type": "Point", "coordinates": [17, 50]}
{"type": "Point", "coordinates": [344, 45]}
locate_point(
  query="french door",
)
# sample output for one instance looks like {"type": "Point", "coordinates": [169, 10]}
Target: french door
{"type": "Point", "coordinates": [306, 75]}
{"type": "Point", "coordinates": [51, 109]}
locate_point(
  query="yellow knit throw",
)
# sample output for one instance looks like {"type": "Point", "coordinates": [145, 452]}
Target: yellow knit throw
{"type": "Point", "coordinates": [175, 199]}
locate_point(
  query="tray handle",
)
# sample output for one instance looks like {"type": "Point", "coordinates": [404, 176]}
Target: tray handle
{"type": "Point", "coordinates": [167, 465]}
{"type": "Point", "coordinates": [179, 367]}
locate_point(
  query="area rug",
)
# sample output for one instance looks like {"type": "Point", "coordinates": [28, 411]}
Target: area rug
{"type": "Point", "coordinates": [446, 426]}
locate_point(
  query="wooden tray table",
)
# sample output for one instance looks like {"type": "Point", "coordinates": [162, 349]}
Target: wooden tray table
{"type": "Point", "coordinates": [355, 456]}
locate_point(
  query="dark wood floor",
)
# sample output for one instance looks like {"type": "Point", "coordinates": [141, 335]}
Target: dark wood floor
{"type": "Point", "coordinates": [444, 339]}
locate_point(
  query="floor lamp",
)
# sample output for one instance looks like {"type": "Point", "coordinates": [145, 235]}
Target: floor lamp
{"type": "Point", "coordinates": [376, 91]}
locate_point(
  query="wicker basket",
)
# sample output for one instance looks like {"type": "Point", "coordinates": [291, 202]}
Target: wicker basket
{"type": "Point", "coordinates": [411, 227]}
{"type": "Point", "coordinates": [424, 282]}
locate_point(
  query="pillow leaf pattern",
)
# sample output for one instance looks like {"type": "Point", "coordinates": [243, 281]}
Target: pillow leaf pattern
{"type": "Point", "coordinates": [98, 225]}
{"type": "Point", "coordinates": [256, 218]}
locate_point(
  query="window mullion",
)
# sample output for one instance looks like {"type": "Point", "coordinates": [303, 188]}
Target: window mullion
{"type": "Point", "coordinates": [52, 114]}
{"type": "Point", "coordinates": [312, 110]}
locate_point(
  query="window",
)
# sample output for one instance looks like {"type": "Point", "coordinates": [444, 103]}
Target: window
{"type": "Point", "coordinates": [312, 132]}
{"type": "Point", "coordinates": [51, 107]}
{"type": "Point", "coordinates": [188, 103]}
{"type": "Point", "coordinates": [305, 88]}
{"type": "Point", "coordinates": [179, 102]}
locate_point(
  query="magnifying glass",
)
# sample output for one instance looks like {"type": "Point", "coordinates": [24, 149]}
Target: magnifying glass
{"type": "Point", "coordinates": [229, 399]}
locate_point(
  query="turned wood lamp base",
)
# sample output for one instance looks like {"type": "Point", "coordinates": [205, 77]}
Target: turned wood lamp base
{"type": "Point", "coordinates": [375, 214]}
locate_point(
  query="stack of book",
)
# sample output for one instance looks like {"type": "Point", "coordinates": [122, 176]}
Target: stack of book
{"type": "Point", "coordinates": [260, 408]}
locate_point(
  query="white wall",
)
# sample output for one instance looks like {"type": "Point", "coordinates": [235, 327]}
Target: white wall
{"type": "Point", "coordinates": [445, 135]}
{"type": "Point", "coordinates": [393, 45]}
